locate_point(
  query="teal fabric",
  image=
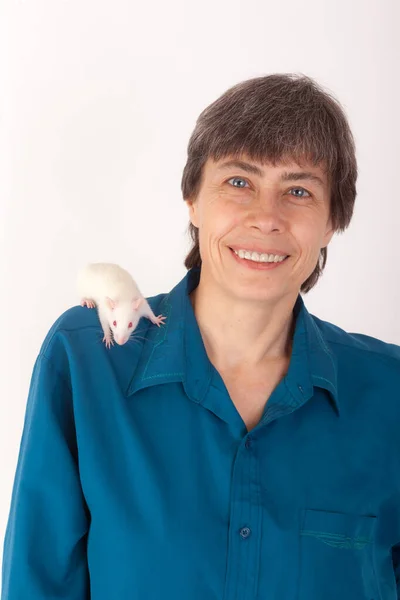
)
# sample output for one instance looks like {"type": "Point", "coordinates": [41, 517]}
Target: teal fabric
{"type": "Point", "coordinates": [138, 480]}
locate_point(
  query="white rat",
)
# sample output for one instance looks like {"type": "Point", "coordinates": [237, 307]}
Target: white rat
{"type": "Point", "coordinates": [119, 301]}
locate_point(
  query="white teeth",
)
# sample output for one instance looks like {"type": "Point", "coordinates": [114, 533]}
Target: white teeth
{"type": "Point", "coordinates": [256, 257]}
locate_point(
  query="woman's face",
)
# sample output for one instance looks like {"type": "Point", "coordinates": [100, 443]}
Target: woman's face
{"type": "Point", "coordinates": [261, 207]}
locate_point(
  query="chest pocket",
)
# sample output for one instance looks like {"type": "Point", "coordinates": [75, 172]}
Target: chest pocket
{"type": "Point", "coordinates": [337, 556]}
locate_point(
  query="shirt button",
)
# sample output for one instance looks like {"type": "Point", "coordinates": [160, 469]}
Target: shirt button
{"type": "Point", "coordinates": [300, 388]}
{"type": "Point", "coordinates": [245, 532]}
{"type": "Point", "coordinates": [248, 443]}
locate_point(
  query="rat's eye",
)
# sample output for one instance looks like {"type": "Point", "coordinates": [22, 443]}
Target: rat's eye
{"type": "Point", "coordinates": [130, 325]}
{"type": "Point", "coordinates": [115, 323]}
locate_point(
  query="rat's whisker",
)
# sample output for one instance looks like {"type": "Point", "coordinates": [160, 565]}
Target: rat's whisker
{"type": "Point", "coordinates": [133, 342]}
{"type": "Point", "coordinates": [136, 337]}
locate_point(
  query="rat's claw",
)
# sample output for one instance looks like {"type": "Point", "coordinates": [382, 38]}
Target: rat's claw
{"type": "Point", "coordinates": [87, 302]}
{"type": "Point", "coordinates": [108, 340]}
{"type": "Point", "coordinates": [159, 320]}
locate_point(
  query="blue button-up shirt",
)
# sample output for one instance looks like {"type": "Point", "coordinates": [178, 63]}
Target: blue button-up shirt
{"type": "Point", "coordinates": [138, 480]}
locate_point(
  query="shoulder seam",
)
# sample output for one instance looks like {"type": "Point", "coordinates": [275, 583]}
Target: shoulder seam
{"type": "Point", "coordinates": [54, 368]}
{"type": "Point", "coordinates": [369, 350]}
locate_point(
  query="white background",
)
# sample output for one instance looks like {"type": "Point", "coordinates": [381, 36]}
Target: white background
{"type": "Point", "coordinates": [98, 100]}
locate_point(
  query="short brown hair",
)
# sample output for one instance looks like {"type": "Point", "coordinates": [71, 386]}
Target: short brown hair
{"type": "Point", "coordinates": [273, 118]}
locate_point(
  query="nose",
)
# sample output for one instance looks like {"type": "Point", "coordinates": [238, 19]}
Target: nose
{"type": "Point", "coordinates": [121, 340]}
{"type": "Point", "coordinates": [266, 214]}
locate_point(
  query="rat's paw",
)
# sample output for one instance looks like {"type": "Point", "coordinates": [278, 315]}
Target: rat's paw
{"type": "Point", "coordinates": [108, 340]}
{"type": "Point", "coordinates": [159, 320]}
{"type": "Point", "coordinates": [88, 302]}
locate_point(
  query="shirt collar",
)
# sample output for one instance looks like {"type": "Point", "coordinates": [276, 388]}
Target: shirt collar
{"type": "Point", "coordinates": [175, 351]}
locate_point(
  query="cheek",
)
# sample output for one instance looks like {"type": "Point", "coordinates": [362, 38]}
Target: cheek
{"type": "Point", "coordinates": [309, 242]}
{"type": "Point", "coordinates": [214, 233]}
{"type": "Point", "coordinates": [220, 219]}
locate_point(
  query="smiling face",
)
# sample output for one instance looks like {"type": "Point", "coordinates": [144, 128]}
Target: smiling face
{"type": "Point", "coordinates": [282, 209]}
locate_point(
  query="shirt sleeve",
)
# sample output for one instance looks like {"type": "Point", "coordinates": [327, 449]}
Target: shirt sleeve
{"type": "Point", "coordinates": [44, 552]}
{"type": "Point", "coordinates": [396, 567]}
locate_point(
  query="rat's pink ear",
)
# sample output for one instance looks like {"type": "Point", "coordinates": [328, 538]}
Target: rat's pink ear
{"type": "Point", "coordinates": [111, 303]}
{"type": "Point", "coordinates": [136, 302]}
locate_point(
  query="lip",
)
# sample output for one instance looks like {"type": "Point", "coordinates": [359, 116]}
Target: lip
{"type": "Point", "coordinates": [258, 266]}
{"type": "Point", "coordinates": [259, 250]}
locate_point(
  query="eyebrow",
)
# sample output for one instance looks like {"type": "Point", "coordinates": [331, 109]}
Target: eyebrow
{"type": "Point", "coordinates": [255, 170]}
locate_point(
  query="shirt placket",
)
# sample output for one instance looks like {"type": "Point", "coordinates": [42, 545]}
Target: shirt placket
{"type": "Point", "coordinates": [245, 525]}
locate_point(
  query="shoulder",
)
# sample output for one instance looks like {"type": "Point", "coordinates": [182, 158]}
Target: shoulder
{"type": "Point", "coordinates": [364, 350]}
{"type": "Point", "coordinates": [73, 343]}
{"type": "Point", "coordinates": [368, 381]}
{"type": "Point", "coordinates": [79, 319]}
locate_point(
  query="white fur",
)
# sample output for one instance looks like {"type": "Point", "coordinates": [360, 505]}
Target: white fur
{"type": "Point", "coordinates": [99, 281]}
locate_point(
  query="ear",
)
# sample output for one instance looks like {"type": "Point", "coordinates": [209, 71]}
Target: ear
{"type": "Point", "coordinates": [111, 303]}
{"type": "Point", "coordinates": [193, 216]}
{"type": "Point", "coordinates": [136, 302]}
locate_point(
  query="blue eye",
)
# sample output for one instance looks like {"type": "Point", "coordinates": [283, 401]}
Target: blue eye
{"type": "Point", "coordinates": [301, 190]}
{"type": "Point", "coordinates": [238, 178]}
{"type": "Point", "coordinates": [304, 192]}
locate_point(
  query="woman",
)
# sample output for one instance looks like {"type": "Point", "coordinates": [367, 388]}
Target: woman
{"type": "Point", "coordinates": [246, 449]}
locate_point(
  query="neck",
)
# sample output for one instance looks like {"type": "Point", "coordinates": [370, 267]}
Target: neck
{"type": "Point", "coordinates": [242, 335]}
